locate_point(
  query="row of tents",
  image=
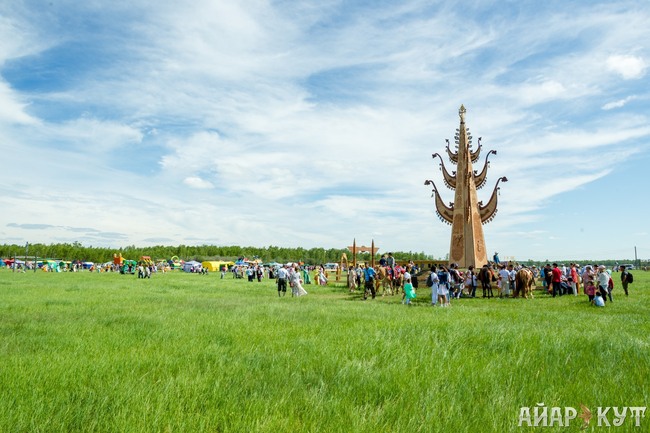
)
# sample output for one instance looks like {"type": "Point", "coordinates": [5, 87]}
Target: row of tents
{"type": "Point", "coordinates": [217, 265]}
{"type": "Point", "coordinates": [191, 266]}
{"type": "Point", "coordinates": [55, 265]}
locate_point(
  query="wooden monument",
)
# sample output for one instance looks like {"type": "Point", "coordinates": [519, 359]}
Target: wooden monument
{"type": "Point", "coordinates": [371, 249]}
{"type": "Point", "coordinates": [466, 214]}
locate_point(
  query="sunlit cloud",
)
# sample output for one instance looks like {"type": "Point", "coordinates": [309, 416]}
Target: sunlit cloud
{"type": "Point", "coordinates": [628, 67]}
{"type": "Point", "coordinates": [197, 182]}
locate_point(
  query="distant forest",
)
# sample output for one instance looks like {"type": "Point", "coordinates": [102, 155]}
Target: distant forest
{"type": "Point", "coordinates": [76, 251]}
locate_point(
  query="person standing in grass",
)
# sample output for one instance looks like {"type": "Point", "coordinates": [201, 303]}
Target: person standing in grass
{"type": "Point", "coordinates": [556, 280]}
{"type": "Point", "coordinates": [352, 278]}
{"type": "Point", "coordinates": [433, 281]}
{"type": "Point", "coordinates": [504, 282]}
{"type": "Point", "coordinates": [610, 287]}
{"type": "Point", "coordinates": [282, 281]}
{"type": "Point", "coordinates": [603, 282]}
{"type": "Point", "coordinates": [369, 275]}
{"type": "Point", "coordinates": [322, 278]}
{"type": "Point", "coordinates": [470, 281]}
{"type": "Point", "coordinates": [444, 281]}
{"type": "Point", "coordinates": [590, 290]}
{"type": "Point", "coordinates": [409, 291]}
{"type": "Point", "coordinates": [443, 287]}
{"type": "Point", "coordinates": [575, 281]}
{"type": "Point", "coordinates": [296, 282]}
{"type": "Point", "coordinates": [625, 278]}
{"type": "Point", "coordinates": [548, 276]}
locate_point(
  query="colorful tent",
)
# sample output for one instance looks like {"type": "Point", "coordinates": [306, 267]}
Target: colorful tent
{"type": "Point", "coordinates": [214, 266]}
{"type": "Point", "coordinates": [192, 265]}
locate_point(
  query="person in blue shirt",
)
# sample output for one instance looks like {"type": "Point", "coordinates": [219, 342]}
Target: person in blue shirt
{"type": "Point", "coordinates": [369, 275]}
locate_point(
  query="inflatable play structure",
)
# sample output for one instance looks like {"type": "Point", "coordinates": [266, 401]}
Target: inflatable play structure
{"type": "Point", "coordinates": [175, 263]}
{"type": "Point", "coordinates": [128, 266]}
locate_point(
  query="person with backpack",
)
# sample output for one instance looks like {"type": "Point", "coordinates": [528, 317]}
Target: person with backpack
{"type": "Point", "coordinates": [456, 281]}
{"type": "Point", "coordinates": [432, 281]}
{"type": "Point", "coordinates": [443, 286]}
{"type": "Point", "coordinates": [626, 277]}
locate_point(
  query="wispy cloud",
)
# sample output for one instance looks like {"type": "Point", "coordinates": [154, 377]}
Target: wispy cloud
{"type": "Point", "coordinates": [619, 103]}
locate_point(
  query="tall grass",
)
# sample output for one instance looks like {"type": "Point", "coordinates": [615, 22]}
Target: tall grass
{"type": "Point", "coordinates": [83, 352]}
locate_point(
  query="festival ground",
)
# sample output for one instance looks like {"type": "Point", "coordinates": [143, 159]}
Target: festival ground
{"type": "Point", "coordinates": [195, 353]}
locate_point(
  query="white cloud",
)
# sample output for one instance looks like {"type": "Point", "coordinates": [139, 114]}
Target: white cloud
{"type": "Point", "coordinates": [12, 109]}
{"type": "Point", "coordinates": [540, 92]}
{"type": "Point", "coordinates": [197, 182]}
{"type": "Point", "coordinates": [94, 135]}
{"type": "Point", "coordinates": [618, 104]}
{"type": "Point", "coordinates": [627, 66]}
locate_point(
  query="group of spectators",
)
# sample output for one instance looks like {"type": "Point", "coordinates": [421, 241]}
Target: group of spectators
{"type": "Point", "coordinates": [447, 283]}
{"type": "Point", "coordinates": [596, 281]}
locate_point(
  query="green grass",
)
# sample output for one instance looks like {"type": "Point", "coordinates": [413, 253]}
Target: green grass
{"type": "Point", "coordinates": [84, 352]}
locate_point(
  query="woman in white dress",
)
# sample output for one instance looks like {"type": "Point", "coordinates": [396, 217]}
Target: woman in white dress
{"type": "Point", "coordinates": [296, 283]}
{"type": "Point", "coordinates": [434, 281]}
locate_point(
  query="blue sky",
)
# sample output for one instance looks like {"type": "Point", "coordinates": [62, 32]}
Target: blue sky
{"type": "Point", "coordinates": [310, 123]}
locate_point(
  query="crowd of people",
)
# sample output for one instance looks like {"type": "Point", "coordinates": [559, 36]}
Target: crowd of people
{"type": "Point", "coordinates": [447, 283]}
{"type": "Point", "coordinates": [450, 282]}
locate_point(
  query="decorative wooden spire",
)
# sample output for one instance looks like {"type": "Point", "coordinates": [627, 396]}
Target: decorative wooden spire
{"type": "Point", "coordinates": [466, 214]}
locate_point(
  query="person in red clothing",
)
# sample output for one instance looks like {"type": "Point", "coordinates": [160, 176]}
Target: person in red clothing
{"type": "Point", "coordinates": [575, 284]}
{"type": "Point", "coordinates": [556, 279]}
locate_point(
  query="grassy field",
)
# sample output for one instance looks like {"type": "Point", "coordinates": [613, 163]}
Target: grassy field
{"type": "Point", "coordinates": [83, 352]}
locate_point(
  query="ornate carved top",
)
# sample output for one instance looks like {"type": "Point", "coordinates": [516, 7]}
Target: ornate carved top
{"type": "Point", "coordinates": [445, 213]}
{"type": "Point", "coordinates": [453, 156]}
{"type": "Point", "coordinates": [461, 113]}
{"type": "Point", "coordinates": [477, 153]}
{"type": "Point", "coordinates": [488, 211]}
{"type": "Point", "coordinates": [481, 177]}
{"type": "Point", "coordinates": [450, 179]}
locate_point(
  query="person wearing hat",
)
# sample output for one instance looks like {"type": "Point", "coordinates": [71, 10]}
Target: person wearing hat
{"type": "Point", "coordinates": [603, 282]}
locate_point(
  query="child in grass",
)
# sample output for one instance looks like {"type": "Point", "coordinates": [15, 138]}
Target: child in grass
{"type": "Point", "coordinates": [590, 290]}
{"type": "Point", "coordinates": [409, 291]}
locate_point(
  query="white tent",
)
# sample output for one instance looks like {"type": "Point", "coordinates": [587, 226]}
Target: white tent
{"type": "Point", "coordinates": [193, 265]}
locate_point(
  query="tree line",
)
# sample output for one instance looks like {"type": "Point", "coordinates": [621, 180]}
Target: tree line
{"type": "Point", "coordinates": [77, 251]}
